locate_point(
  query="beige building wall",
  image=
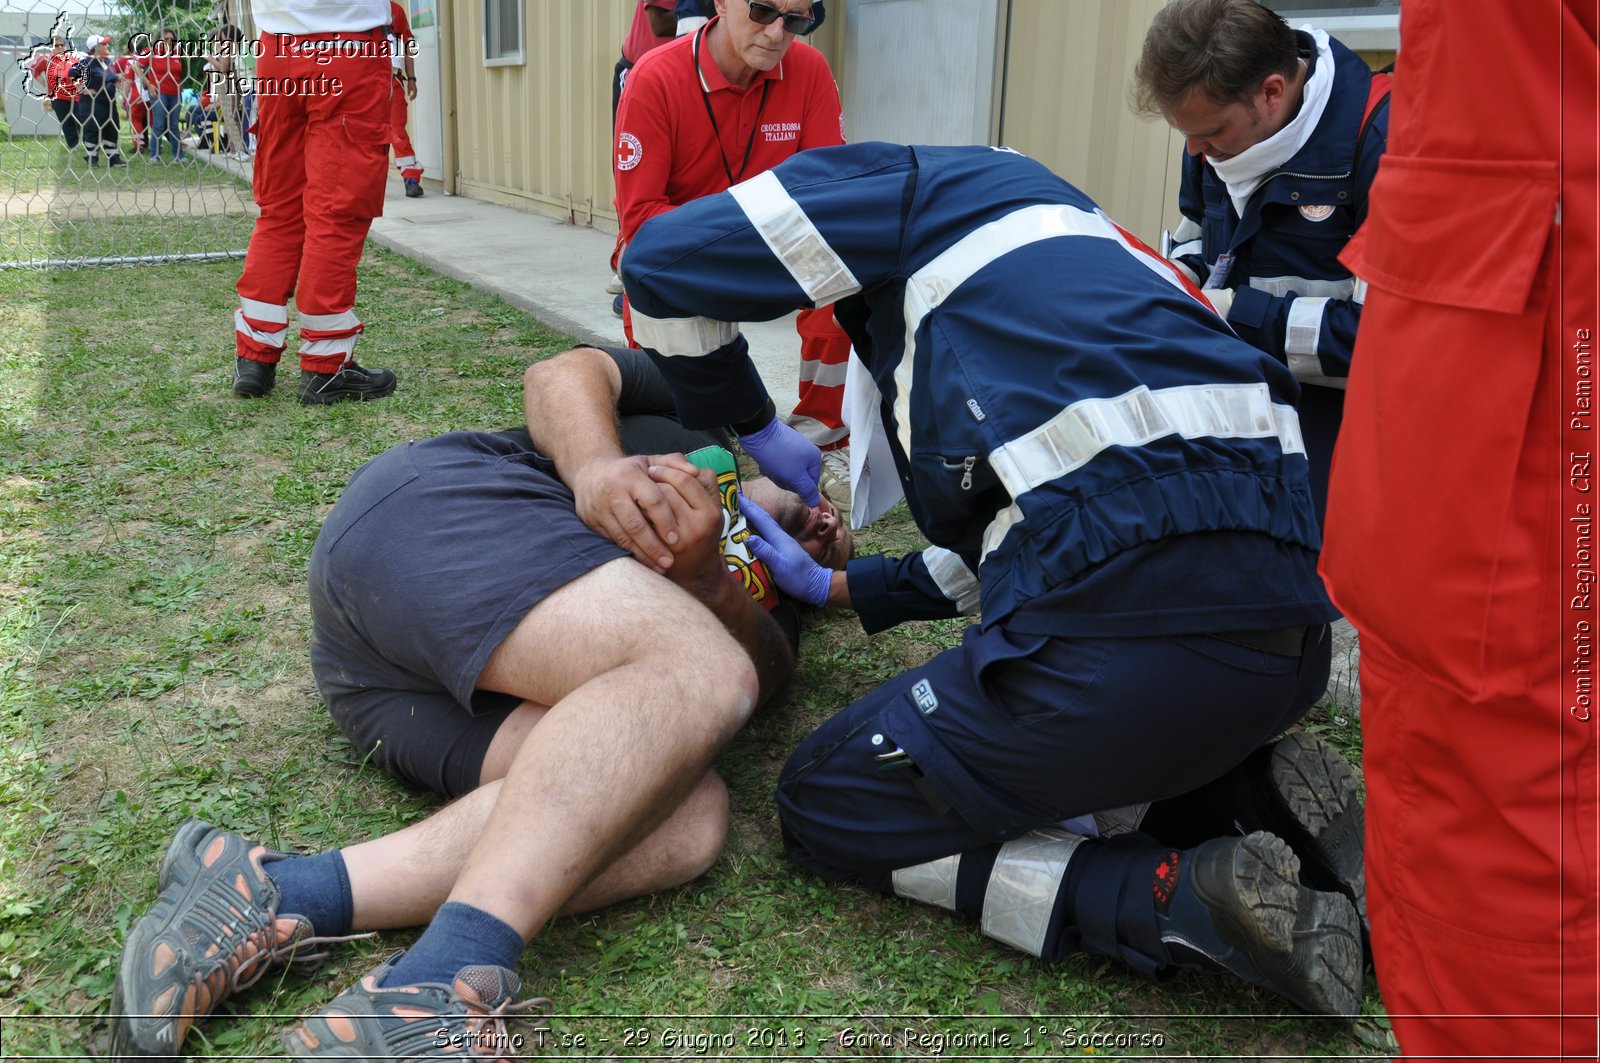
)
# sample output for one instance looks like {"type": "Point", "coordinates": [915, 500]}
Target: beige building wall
{"type": "Point", "coordinates": [538, 135]}
{"type": "Point", "coordinates": [1065, 102]}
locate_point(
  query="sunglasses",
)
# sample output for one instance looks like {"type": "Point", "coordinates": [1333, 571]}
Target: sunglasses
{"type": "Point", "coordinates": [765, 15]}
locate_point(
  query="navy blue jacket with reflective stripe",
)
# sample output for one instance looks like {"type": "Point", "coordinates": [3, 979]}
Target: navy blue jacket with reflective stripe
{"type": "Point", "coordinates": [1286, 244]}
{"type": "Point", "coordinates": [1053, 396]}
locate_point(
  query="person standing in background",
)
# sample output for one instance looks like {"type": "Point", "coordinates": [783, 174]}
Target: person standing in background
{"type": "Point", "coordinates": [164, 68]}
{"type": "Point", "coordinates": [402, 56]}
{"type": "Point", "coordinates": [62, 90]}
{"type": "Point", "coordinates": [654, 23]}
{"type": "Point", "coordinates": [721, 106]}
{"type": "Point", "coordinates": [318, 179]}
{"type": "Point", "coordinates": [1459, 532]}
{"type": "Point", "coordinates": [135, 93]}
{"type": "Point", "coordinates": [97, 73]}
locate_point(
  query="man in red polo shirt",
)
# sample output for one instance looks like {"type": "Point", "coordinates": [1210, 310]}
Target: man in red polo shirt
{"type": "Point", "coordinates": [721, 106]}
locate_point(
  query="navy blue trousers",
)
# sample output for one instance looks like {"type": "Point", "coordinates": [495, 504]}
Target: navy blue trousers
{"type": "Point", "coordinates": [1006, 733]}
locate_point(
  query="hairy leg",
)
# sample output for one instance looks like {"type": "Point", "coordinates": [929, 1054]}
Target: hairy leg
{"type": "Point", "coordinates": [644, 687]}
{"type": "Point", "coordinates": [401, 879]}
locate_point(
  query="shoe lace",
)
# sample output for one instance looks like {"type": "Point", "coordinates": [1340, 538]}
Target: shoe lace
{"type": "Point", "coordinates": [290, 951]}
{"type": "Point", "coordinates": [484, 1030]}
{"type": "Point", "coordinates": [248, 948]}
{"type": "Point", "coordinates": [491, 1026]}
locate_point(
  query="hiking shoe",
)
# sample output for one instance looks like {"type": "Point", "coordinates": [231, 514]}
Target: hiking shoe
{"type": "Point", "coordinates": [464, 1020]}
{"type": "Point", "coordinates": [213, 931]}
{"type": "Point", "coordinates": [413, 188]}
{"type": "Point", "coordinates": [1302, 790]}
{"type": "Point", "coordinates": [253, 379]}
{"type": "Point", "coordinates": [349, 382]}
{"type": "Point", "coordinates": [1239, 905]}
{"type": "Point", "coordinates": [835, 480]}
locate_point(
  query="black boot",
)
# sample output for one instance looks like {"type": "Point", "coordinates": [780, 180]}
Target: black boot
{"type": "Point", "coordinates": [1237, 904]}
{"type": "Point", "coordinates": [253, 379]}
{"type": "Point", "coordinates": [351, 382]}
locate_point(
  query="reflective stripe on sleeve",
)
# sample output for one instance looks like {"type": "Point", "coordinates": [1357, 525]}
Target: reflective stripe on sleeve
{"type": "Point", "coordinates": [794, 240]}
{"type": "Point", "coordinates": [1303, 331]}
{"type": "Point", "coordinates": [688, 337]}
{"type": "Point", "coordinates": [954, 578]}
{"type": "Point", "coordinates": [1073, 437]}
{"type": "Point", "coordinates": [1306, 287]}
{"type": "Point", "coordinates": [931, 285]}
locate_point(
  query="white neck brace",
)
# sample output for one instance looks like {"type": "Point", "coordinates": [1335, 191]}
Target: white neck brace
{"type": "Point", "coordinates": [1244, 172]}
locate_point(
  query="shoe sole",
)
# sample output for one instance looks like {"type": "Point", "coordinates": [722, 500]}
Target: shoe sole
{"type": "Point", "coordinates": [1305, 944]}
{"type": "Point", "coordinates": [1317, 790]}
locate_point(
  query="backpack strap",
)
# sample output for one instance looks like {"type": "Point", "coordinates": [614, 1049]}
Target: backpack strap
{"type": "Point", "coordinates": [1377, 96]}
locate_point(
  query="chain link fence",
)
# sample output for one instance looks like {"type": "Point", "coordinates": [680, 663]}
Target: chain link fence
{"type": "Point", "coordinates": [79, 184]}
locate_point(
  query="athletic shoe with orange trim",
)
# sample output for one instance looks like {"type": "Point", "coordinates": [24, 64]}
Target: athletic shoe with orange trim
{"type": "Point", "coordinates": [465, 1020]}
{"type": "Point", "coordinates": [212, 932]}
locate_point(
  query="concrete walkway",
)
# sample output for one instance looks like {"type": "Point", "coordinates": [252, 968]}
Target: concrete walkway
{"type": "Point", "coordinates": [555, 271]}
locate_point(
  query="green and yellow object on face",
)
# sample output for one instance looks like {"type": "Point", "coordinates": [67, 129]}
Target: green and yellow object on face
{"type": "Point", "coordinates": [752, 573]}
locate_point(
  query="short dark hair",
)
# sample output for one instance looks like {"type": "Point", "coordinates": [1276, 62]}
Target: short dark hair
{"type": "Point", "coordinates": [1223, 49]}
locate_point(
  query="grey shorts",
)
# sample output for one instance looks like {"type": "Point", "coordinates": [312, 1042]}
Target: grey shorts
{"type": "Point", "coordinates": [436, 551]}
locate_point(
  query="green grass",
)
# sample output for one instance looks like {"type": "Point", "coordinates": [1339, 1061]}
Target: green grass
{"type": "Point", "coordinates": [54, 206]}
{"type": "Point", "coordinates": [154, 534]}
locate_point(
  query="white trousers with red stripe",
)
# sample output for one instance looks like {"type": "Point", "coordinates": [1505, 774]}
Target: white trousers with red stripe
{"type": "Point", "coordinates": [322, 151]}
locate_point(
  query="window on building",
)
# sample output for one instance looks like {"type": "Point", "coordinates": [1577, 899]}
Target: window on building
{"type": "Point", "coordinates": [1364, 25]}
{"type": "Point", "coordinates": [502, 33]}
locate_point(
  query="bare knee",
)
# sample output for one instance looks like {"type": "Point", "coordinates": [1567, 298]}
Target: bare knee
{"type": "Point", "coordinates": [704, 829]}
{"type": "Point", "coordinates": [716, 680]}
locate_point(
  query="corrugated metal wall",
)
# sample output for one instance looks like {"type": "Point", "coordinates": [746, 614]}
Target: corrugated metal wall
{"type": "Point", "coordinates": [538, 136]}
{"type": "Point", "coordinates": [1069, 65]}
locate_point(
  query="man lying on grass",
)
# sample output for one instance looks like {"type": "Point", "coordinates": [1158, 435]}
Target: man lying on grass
{"type": "Point", "coordinates": [473, 635]}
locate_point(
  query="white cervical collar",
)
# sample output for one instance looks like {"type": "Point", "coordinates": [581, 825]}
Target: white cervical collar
{"type": "Point", "coordinates": [1244, 172]}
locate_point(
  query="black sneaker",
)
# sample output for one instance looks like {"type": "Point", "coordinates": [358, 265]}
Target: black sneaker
{"type": "Point", "coordinates": [1238, 905]}
{"type": "Point", "coordinates": [253, 379]}
{"type": "Point", "coordinates": [350, 382]}
{"type": "Point", "coordinates": [413, 188]}
{"type": "Point", "coordinates": [115, 160]}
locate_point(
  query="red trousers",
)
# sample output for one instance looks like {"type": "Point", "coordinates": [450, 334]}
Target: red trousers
{"type": "Point", "coordinates": [1460, 532]}
{"type": "Point", "coordinates": [322, 151]}
{"type": "Point", "coordinates": [405, 156]}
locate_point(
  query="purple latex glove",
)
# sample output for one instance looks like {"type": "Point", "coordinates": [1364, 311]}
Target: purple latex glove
{"type": "Point", "coordinates": [796, 573]}
{"type": "Point", "coordinates": [789, 458]}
